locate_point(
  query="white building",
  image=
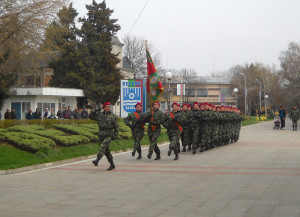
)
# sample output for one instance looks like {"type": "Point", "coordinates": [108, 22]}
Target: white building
{"type": "Point", "coordinates": [23, 99]}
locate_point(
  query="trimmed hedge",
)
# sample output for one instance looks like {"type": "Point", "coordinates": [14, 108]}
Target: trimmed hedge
{"type": "Point", "coordinates": [29, 142]}
{"type": "Point", "coordinates": [26, 129]}
{"type": "Point", "coordinates": [76, 130]}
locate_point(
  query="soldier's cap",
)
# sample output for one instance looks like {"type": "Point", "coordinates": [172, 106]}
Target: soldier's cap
{"type": "Point", "coordinates": [184, 104]}
{"type": "Point", "coordinates": [138, 104]}
{"type": "Point", "coordinates": [156, 103]}
{"type": "Point", "coordinates": [105, 104]}
{"type": "Point", "coordinates": [189, 105]}
{"type": "Point", "coordinates": [195, 103]}
{"type": "Point", "coordinates": [175, 103]}
{"type": "Point", "coordinates": [201, 104]}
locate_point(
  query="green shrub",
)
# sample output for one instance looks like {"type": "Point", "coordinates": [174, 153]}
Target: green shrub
{"type": "Point", "coordinates": [76, 130]}
{"type": "Point", "coordinates": [26, 129]}
{"type": "Point", "coordinates": [29, 142]}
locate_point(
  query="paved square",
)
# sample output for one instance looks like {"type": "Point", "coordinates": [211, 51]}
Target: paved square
{"type": "Point", "coordinates": [259, 176]}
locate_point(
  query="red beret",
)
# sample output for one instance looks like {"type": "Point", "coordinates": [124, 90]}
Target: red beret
{"type": "Point", "coordinates": [105, 104]}
{"type": "Point", "coordinates": [184, 104]}
{"type": "Point", "coordinates": [138, 104]}
{"type": "Point", "coordinates": [189, 105]}
{"type": "Point", "coordinates": [195, 103]}
{"type": "Point", "coordinates": [175, 103]}
{"type": "Point", "coordinates": [156, 102]}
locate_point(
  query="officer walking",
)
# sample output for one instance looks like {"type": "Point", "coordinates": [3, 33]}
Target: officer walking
{"type": "Point", "coordinates": [108, 130]}
{"type": "Point", "coordinates": [295, 115]}
{"type": "Point", "coordinates": [135, 122]}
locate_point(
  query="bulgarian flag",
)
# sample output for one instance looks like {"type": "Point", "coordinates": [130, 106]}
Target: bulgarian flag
{"type": "Point", "coordinates": [154, 86]}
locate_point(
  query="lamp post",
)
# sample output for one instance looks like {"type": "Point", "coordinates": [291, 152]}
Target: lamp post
{"type": "Point", "coordinates": [259, 94]}
{"type": "Point", "coordinates": [235, 90]}
{"type": "Point", "coordinates": [245, 79]}
{"type": "Point", "coordinates": [266, 110]}
{"type": "Point", "coordinates": [169, 77]}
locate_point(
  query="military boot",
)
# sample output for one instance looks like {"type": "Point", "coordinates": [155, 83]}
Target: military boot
{"type": "Point", "coordinates": [176, 155]}
{"type": "Point", "coordinates": [201, 148]}
{"type": "Point", "coordinates": [189, 148]}
{"type": "Point", "coordinates": [184, 149]}
{"type": "Point", "coordinates": [133, 152]}
{"type": "Point", "coordinates": [170, 151]}
{"type": "Point", "coordinates": [157, 156]}
{"type": "Point", "coordinates": [112, 165]}
{"type": "Point", "coordinates": [194, 150]}
{"type": "Point", "coordinates": [95, 162]}
{"type": "Point", "coordinates": [139, 150]}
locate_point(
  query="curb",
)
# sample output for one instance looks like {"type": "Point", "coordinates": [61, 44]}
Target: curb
{"type": "Point", "coordinates": [59, 163]}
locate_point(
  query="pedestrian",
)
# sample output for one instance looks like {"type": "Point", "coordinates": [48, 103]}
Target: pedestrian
{"type": "Point", "coordinates": [13, 114]}
{"type": "Point", "coordinates": [136, 123]}
{"type": "Point", "coordinates": [59, 113]}
{"type": "Point", "coordinates": [294, 116]}
{"type": "Point", "coordinates": [65, 113]}
{"type": "Point", "coordinates": [37, 114]}
{"type": "Point", "coordinates": [76, 113]}
{"type": "Point", "coordinates": [282, 115]}
{"type": "Point", "coordinates": [7, 115]}
{"type": "Point", "coordinates": [52, 115]}
{"type": "Point", "coordinates": [108, 130]}
{"type": "Point", "coordinates": [46, 114]}
{"type": "Point", "coordinates": [155, 118]}
{"type": "Point", "coordinates": [84, 113]}
{"type": "Point", "coordinates": [173, 123]}
{"type": "Point", "coordinates": [29, 115]}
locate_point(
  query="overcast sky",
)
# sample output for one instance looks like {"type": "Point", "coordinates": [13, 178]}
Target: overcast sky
{"type": "Point", "coordinates": [210, 35]}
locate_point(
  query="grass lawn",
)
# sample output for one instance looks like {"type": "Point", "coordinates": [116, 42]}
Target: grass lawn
{"type": "Point", "coordinates": [252, 120]}
{"type": "Point", "coordinates": [11, 157]}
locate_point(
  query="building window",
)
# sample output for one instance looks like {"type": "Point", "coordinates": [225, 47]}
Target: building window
{"type": "Point", "coordinates": [29, 81]}
{"type": "Point", "coordinates": [226, 92]}
{"type": "Point", "coordinates": [202, 92]}
{"type": "Point", "coordinates": [191, 92]}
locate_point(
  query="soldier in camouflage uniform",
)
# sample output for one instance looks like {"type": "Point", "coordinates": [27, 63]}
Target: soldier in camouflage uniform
{"type": "Point", "coordinates": [155, 119]}
{"type": "Point", "coordinates": [294, 115]}
{"type": "Point", "coordinates": [172, 123]}
{"type": "Point", "coordinates": [135, 122]}
{"type": "Point", "coordinates": [108, 130]}
{"type": "Point", "coordinates": [193, 118]}
{"type": "Point", "coordinates": [186, 133]}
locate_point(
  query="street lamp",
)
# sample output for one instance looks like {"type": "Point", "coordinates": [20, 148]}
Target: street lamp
{"type": "Point", "coordinates": [245, 79]}
{"type": "Point", "coordinates": [266, 110]}
{"type": "Point", "coordinates": [259, 94]}
{"type": "Point", "coordinates": [235, 90]}
{"type": "Point", "coordinates": [169, 77]}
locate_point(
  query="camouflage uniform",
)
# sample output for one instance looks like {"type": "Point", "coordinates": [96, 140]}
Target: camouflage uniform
{"type": "Point", "coordinates": [294, 115]}
{"type": "Point", "coordinates": [193, 117]}
{"type": "Point", "coordinates": [187, 132]}
{"type": "Point", "coordinates": [108, 130]}
{"type": "Point", "coordinates": [135, 122]}
{"type": "Point", "coordinates": [174, 131]}
{"type": "Point", "coordinates": [155, 119]}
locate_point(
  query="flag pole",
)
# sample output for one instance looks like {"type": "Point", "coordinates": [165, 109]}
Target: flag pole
{"type": "Point", "coordinates": [151, 101]}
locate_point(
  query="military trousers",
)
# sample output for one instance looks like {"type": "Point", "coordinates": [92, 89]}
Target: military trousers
{"type": "Point", "coordinates": [104, 147]}
{"type": "Point", "coordinates": [174, 137]}
{"type": "Point", "coordinates": [153, 137]}
{"type": "Point", "coordinates": [137, 135]}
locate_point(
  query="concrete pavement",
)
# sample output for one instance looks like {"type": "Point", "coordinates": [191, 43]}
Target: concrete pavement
{"type": "Point", "coordinates": [257, 176]}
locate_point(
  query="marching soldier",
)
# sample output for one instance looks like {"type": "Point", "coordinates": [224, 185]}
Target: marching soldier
{"type": "Point", "coordinates": [135, 122]}
{"type": "Point", "coordinates": [155, 118]}
{"type": "Point", "coordinates": [108, 130]}
{"type": "Point", "coordinates": [186, 133]}
{"type": "Point", "coordinates": [172, 123]}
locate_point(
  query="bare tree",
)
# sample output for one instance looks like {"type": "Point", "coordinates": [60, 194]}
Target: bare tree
{"type": "Point", "coordinates": [135, 54]}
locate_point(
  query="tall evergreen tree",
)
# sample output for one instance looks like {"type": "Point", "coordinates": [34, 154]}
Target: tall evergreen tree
{"type": "Point", "coordinates": [102, 78]}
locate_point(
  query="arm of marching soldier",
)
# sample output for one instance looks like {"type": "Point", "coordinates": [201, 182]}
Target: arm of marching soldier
{"type": "Point", "coordinates": [116, 128]}
{"type": "Point", "coordinates": [95, 115]}
{"type": "Point", "coordinates": [128, 119]}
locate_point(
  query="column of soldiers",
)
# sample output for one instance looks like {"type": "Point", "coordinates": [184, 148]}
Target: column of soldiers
{"type": "Point", "coordinates": [200, 126]}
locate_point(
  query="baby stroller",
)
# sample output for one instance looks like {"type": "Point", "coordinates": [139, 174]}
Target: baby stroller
{"type": "Point", "coordinates": [276, 123]}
